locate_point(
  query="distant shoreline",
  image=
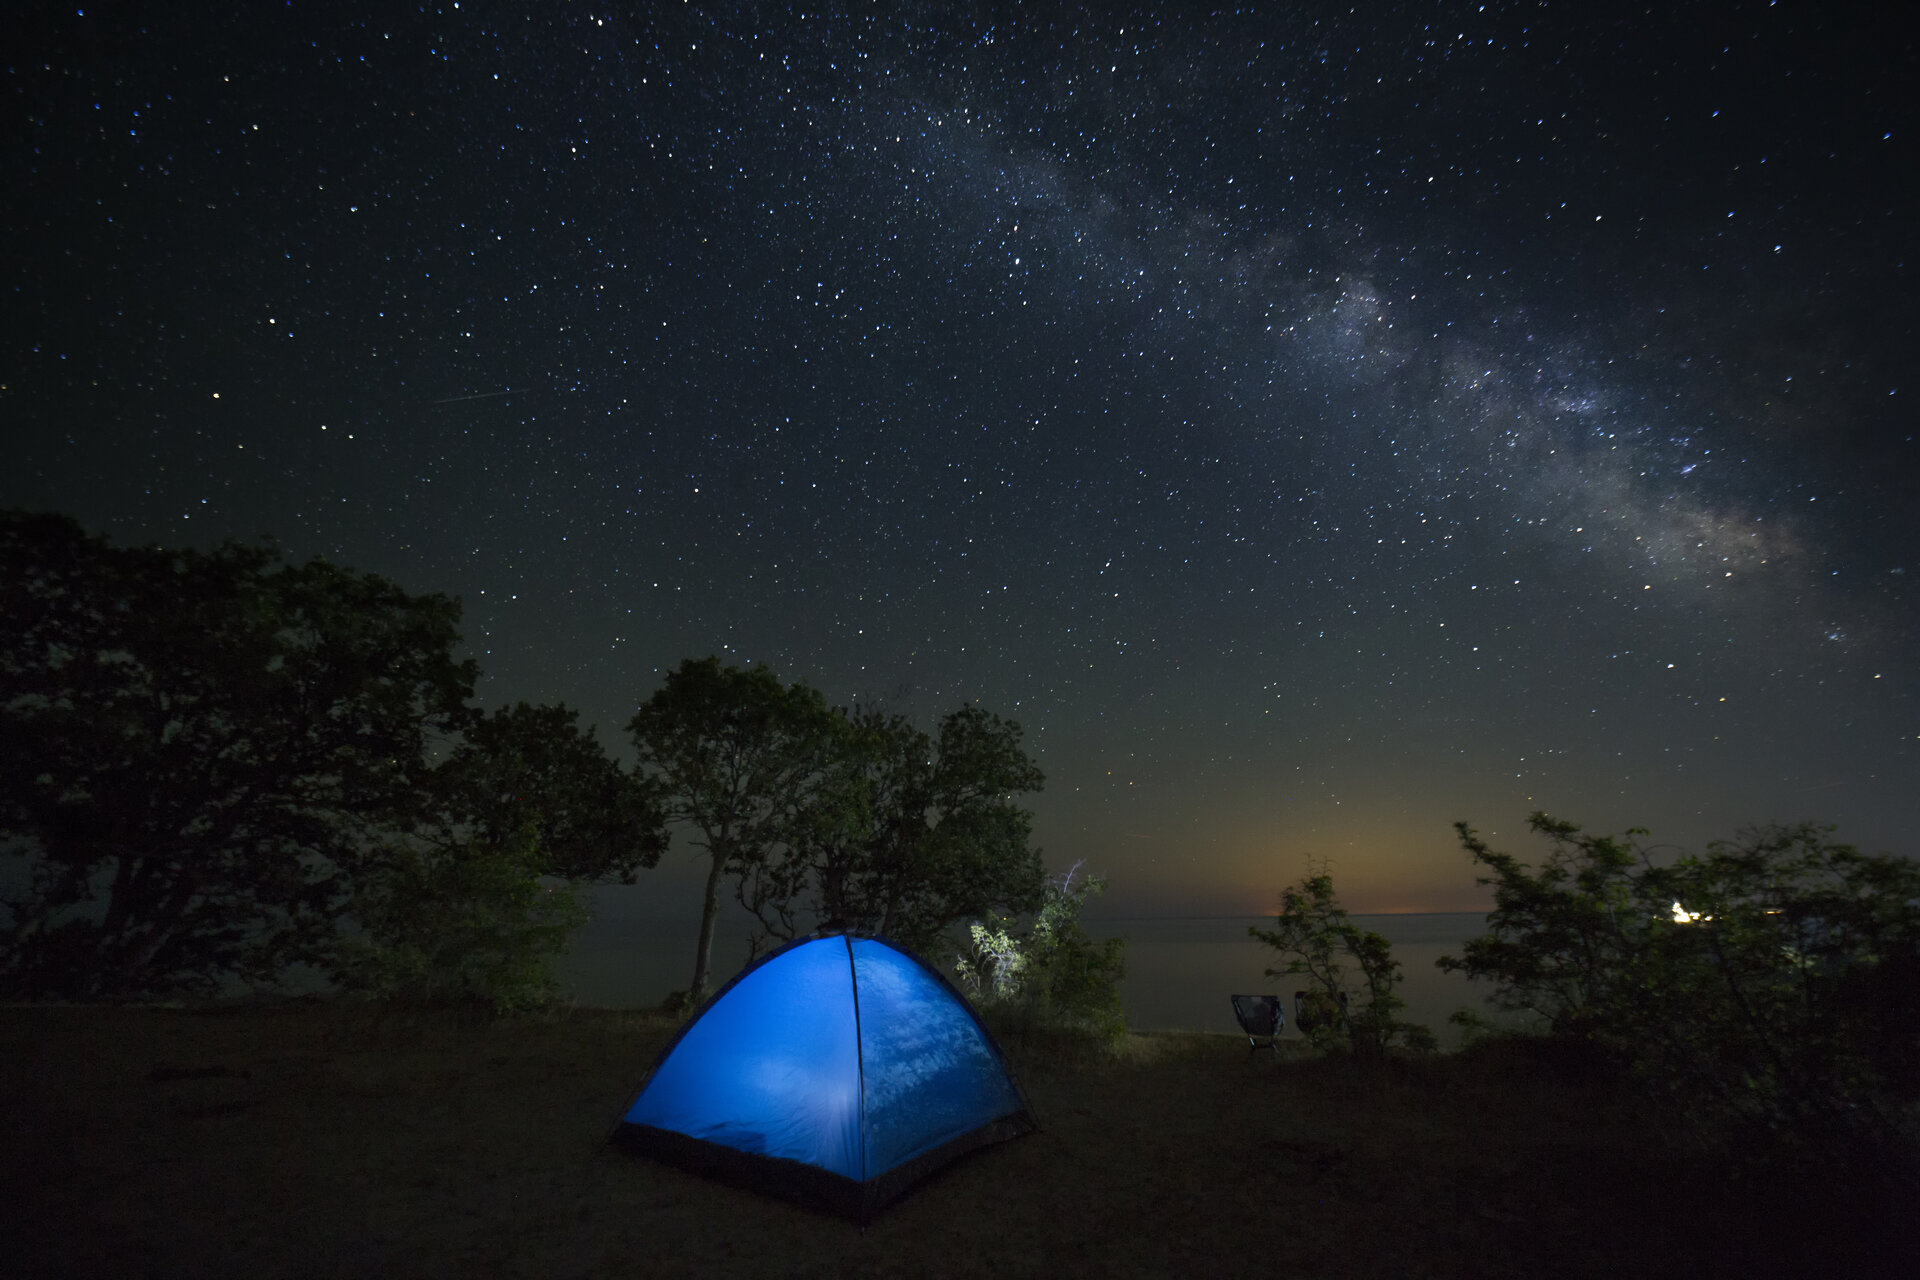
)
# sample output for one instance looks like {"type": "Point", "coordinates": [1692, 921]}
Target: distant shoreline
{"type": "Point", "coordinates": [1358, 915]}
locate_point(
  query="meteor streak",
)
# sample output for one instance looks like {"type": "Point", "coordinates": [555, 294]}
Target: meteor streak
{"type": "Point", "coordinates": [484, 395]}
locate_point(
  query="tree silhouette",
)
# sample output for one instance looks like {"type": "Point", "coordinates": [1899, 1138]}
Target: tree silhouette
{"type": "Point", "coordinates": [196, 751]}
{"type": "Point", "coordinates": [905, 834]}
{"type": "Point", "coordinates": [475, 898]}
{"type": "Point", "coordinates": [732, 754]}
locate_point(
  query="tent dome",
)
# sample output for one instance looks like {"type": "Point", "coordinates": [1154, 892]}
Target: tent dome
{"type": "Point", "coordinates": [838, 1071]}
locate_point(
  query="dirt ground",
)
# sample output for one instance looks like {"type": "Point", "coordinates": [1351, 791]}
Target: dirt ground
{"type": "Point", "coordinates": [331, 1141]}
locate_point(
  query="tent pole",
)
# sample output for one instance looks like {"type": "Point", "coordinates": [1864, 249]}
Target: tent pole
{"type": "Point", "coordinates": [859, 1053]}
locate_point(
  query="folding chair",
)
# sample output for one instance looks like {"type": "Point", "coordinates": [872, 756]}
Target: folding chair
{"type": "Point", "coordinates": [1313, 1009]}
{"type": "Point", "coordinates": [1261, 1016]}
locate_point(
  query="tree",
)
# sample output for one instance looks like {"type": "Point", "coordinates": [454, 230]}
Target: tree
{"type": "Point", "coordinates": [534, 769]}
{"type": "Point", "coordinates": [1313, 931]}
{"type": "Point", "coordinates": [196, 751]}
{"type": "Point", "coordinates": [906, 835]}
{"type": "Point", "coordinates": [854, 820]}
{"type": "Point", "coordinates": [1562, 944]}
{"type": "Point", "coordinates": [734, 755]}
{"type": "Point", "coordinates": [476, 899]}
{"type": "Point", "coordinates": [1773, 982]}
{"type": "Point", "coordinates": [467, 923]}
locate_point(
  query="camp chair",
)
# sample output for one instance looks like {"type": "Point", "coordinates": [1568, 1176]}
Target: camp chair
{"type": "Point", "coordinates": [1313, 1009]}
{"type": "Point", "coordinates": [1261, 1016]}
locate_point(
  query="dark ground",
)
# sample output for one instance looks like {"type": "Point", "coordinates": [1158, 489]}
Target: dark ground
{"type": "Point", "coordinates": [326, 1141]}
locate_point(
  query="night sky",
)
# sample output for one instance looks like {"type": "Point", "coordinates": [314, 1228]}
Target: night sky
{"type": "Point", "coordinates": [1314, 423]}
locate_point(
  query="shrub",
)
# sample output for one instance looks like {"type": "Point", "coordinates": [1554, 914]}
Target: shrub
{"type": "Point", "coordinates": [1771, 984]}
{"type": "Point", "coordinates": [1052, 973]}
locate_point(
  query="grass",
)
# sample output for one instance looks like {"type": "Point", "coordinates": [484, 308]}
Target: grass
{"type": "Point", "coordinates": [331, 1140]}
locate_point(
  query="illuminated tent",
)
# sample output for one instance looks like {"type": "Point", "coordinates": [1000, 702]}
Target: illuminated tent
{"type": "Point", "coordinates": [837, 1071]}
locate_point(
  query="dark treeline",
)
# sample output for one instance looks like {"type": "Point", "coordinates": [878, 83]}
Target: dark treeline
{"type": "Point", "coordinates": [216, 766]}
{"type": "Point", "coordinates": [219, 768]}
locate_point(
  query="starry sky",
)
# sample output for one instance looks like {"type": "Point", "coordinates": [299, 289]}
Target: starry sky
{"type": "Point", "coordinates": [1315, 424]}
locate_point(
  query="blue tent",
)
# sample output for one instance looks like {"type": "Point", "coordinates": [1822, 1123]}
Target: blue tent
{"type": "Point", "coordinates": [838, 1071]}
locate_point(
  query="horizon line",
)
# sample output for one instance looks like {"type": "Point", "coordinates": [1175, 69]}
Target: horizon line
{"type": "Point", "coordinates": [1273, 916]}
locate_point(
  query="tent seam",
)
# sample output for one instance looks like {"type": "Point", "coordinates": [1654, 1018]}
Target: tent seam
{"type": "Point", "coordinates": [859, 1054]}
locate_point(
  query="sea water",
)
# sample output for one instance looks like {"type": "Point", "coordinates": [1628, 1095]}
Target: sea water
{"type": "Point", "coordinates": [1180, 970]}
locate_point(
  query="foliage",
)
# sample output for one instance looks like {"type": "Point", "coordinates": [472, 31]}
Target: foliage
{"type": "Point", "coordinates": [1051, 972]}
{"type": "Point", "coordinates": [195, 751]}
{"type": "Point", "coordinates": [734, 755]}
{"type": "Point", "coordinates": [1313, 931]}
{"type": "Point", "coordinates": [460, 923]}
{"type": "Point", "coordinates": [824, 818]}
{"type": "Point", "coordinates": [905, 835]}
{"type": "Point", "coordinates": [995, 966]}
{"type": "Point", "coordinates": [1773, 981]}
{"type": "Point", "coordinates": [465, 905]}
{"type": "Point", "coordinates": [217, 765]}
{"type": "Point", "coordinates": [1562, 944]}
{"type": "Point", "coordinates": [1475, 1028]}
{"type": "Point", "coordinates": [532, 768]}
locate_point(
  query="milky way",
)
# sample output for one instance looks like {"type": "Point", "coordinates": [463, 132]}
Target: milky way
{"type": "Point", "coordinates": [1314, 428]}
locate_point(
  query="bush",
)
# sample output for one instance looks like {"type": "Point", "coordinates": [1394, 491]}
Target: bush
{"type": "Point", "coordinates": [1052, 974]}
{"type": "Point", "coordinates": [1771, 985]}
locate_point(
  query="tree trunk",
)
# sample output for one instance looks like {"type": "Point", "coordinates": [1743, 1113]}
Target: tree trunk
{"type": "Point", "coordinates": [709, 910]}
